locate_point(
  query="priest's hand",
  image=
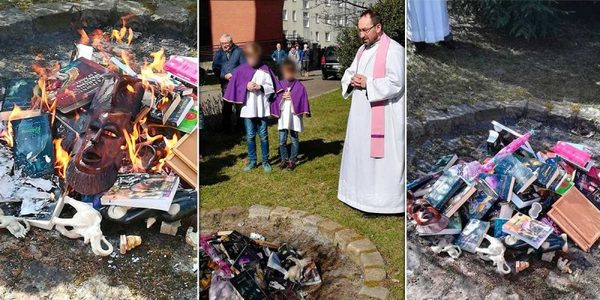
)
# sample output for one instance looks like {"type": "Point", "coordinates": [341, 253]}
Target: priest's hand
{"type": "Point", "coordinates": [359, 81]}
{"type": "Point", "coordinates": [228, 76]}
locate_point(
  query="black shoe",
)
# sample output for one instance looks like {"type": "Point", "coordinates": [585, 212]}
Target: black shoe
{"type": "Point", "coordinates": [420, 46]}
{"type": "Point", "coordinates": [283, 164]}
{"type": "Point", "coordinates": [291, 165]}
{"type": "Point", "coordinates": [449, 44]}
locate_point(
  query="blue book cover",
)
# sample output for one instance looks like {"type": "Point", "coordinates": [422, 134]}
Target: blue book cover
{"type": "Point", "coordinates": [33, 149]}
{"type": "Point", "coordinates": [472, 235]}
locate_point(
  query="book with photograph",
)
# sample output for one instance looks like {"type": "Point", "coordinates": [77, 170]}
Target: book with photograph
{"type": "Point", "coordinates": [510, 165]}
{"type": "Point", "coordinates": [480, 204]}
{"type": "Point", "coordinates": [444, 188]}
{"type": "Point", "coordinates": [472, 235]}
{"type": "Point", "coordinates": [142, 191]}
{"type": "Point", "coordinates": [529, 230]}
{"type": "Point", "coordinates": [458, 200]}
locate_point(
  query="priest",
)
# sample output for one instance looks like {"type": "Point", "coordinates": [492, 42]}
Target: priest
{"type": "Point", "coordinates": [372, 171]}
{"type": "Point", "coordinates": [427, 22]}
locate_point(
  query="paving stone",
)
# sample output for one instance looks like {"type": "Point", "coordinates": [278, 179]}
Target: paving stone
{"type": "Point", "coordinates": [279, 213]}
{"type": "Point", "coordinates": [371, 259]}
{"type": "Point", "coordinates": [259, 212]}
{"type": "Point", "coordinates": [345, 237]}
{"type": "Point", "coordinates": [374, 292]}
{"type": "Point", "coordinates": [210, 216]}
{"type": "Point", "coordinates": [374, 275]}
{"type": "Point", "coordinates": [233, 215]}
{"type": "Point", "coordinates": [328, 228]}
{"type": "Point", "coordinates": [356, 248]}
{"type": "Point", "coordinates": [310, 223]}
{"type": "Point", "coordinates": [296, 217]}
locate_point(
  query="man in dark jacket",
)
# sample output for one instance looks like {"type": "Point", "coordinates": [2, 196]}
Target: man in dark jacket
{"type": "Point", "coordinates": [225, 61]}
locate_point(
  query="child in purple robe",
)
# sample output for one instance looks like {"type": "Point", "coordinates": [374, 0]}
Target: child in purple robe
{"type": "Point", "coordinates": [252, 86]}
{"type": "Point", "coordinates": [290, 105]}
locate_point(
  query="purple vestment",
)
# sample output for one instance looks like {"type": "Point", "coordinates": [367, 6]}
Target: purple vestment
{"type": "Point", "coordinates": [236, 88]}
{"type": "Point", "coordinates": [297, 93]}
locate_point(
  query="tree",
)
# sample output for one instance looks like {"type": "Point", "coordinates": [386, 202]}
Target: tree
{"type": "Point", "coordinates": [392, 14]}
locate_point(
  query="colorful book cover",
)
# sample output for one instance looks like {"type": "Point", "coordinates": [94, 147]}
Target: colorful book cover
{"type": "Point", "coordinates": [563, 186]}
{"type": "Point", "coordinates": [190, 122]}
{"type": "Point", "coordinates": [454, 227]}
{"type": "Point", "coordinates": [524, 177]}
{"type": "Point", "coordinates": [443, 163]}
{"type": "Point", "coordinates": [501, 185]}
{"type": "Point", "coordinates": [142, 191]}
{"type": "Point", "coordinates": [479, 205]}
{"type": "Point", "coordinates": [443, 189]}
{"type": "Point", "coordinates": [472, 235]}
{"type": "Point", "coordinates": [498, 223]}
{"type": "Point", "coordinates": [529, 230]}
{"type": "Point", "coordinates": [19, 92]}
{"type": "Point", "coordinates": [458, 200]}
{"type": "Point", "coordinates": [575, 155]}
{"type": "Point", "coordinates": [33, 149]}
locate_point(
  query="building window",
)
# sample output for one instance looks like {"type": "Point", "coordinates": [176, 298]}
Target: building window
{"type": "Point", "coordinates": [294, 34]}
{"type": "Point", "coordinates": [285, 14]}
{"type": "Point", "coordinates": [294, 15]}
{"type": "Point", "coordinates": [327, 36]}
{"type": "Point", "coordinates": [328, 20]}
{"type": "Point", "coordinates": [306, 23]}
{"type": "Point", "coordinates": [306, 19]}
{"type": "Point", "coordinates": [317, 37]}
{"type": "Point", "coordinates": [328, 2]}
{"type": "Point", "coordinates": [341, 4]}
{"type": "Point", "coordinates": [306, 4]}
{"type": "Point", "coordinates": [317, 19]}
{"type": "Point", "coordinates": [341, 21]}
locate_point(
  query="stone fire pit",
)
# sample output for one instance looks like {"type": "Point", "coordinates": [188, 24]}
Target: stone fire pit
{"type": "Point", "coordinates": [350, 265]}
{"type": "Point", "coordinates": [463, 130]}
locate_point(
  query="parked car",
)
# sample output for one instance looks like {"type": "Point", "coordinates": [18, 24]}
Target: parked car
{"type": "Point", "coordinates": [330, 64]}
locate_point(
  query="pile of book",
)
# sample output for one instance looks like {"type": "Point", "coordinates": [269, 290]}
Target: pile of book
{"type": "Point", "coordinates": [530, 200]}
{"type": "Point", "coordinates": [235, 266]}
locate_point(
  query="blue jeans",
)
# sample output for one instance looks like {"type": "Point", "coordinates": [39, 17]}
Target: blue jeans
{"type": "Point", "coordinates": [254, 126]}
{"type": "Point", "coordinates": [283, 151]}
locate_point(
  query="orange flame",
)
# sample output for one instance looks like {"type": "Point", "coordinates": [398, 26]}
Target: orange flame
{"type": "Point", "coordinates": [130, 88]}
{"type": "Point", "coordinates": [85, 39]}
{"type": "Point", "coordinates": [130, 37]}
{"type": "Point", "coordinates": [170, 143]}
{"type": "Point", "coordinates": [62, 158]}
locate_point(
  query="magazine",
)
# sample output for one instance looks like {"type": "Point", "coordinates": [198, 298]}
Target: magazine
{"type": "Point", "coordinates": [529, 230]}
{"type": "Point", "coordinates": [142, 191]}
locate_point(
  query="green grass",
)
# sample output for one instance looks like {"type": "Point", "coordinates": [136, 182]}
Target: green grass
{"type": "Point", "coordinates": [311, 187]}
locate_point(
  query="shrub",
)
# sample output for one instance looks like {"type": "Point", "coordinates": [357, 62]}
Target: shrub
{"type": "Point", "coordinates": [392, 13]}
{"type": "Point", "coordinates": [526, 18]}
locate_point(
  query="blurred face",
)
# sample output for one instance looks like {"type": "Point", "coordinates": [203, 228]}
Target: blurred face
{"type": "Point", "coordinates": [225, 44]}
{"type": "Point", "coordinates": [288, 73]}
{"type": "Point", "coordinates": [278, 46]}
{"type": "Point", "coordinates": [369, 33]}
{"type": "Point", "coordinates": [252, 58]}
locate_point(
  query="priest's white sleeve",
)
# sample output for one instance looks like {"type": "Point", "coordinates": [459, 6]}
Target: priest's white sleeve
{"type": "Point", "coordinates": [347, 78]}
{"type": "Point", "coordinates": [392, 85]}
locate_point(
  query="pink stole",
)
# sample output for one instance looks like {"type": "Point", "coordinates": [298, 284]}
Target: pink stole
{"type": "Point", "coordinates": [378, 107]}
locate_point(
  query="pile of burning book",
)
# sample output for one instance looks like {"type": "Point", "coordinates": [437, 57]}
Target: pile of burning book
{"type": "Point", "coordinates": [103, 129]}
{"type": "Point", "coordinates": [523, 202]}
{"type": "Point", "coordinates": [235, 266]}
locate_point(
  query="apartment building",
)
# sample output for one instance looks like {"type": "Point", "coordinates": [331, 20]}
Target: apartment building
{"type": "Point", "coordinates": [318, 21]}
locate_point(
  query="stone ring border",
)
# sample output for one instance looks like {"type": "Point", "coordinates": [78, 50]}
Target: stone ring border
{"type": "Point", "coordinates": [468, 116]}
{"type": "Point", "coordinates": [358, 248]}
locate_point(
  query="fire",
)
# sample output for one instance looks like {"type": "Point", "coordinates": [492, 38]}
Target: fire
{"type": "Point", "coordinates": [170, 143]}
{"type": "Point", "coordinates": [130, 142]}
{"type": "Point", "coordinates": [62, 158]}
{"type": "Point", "coordinates": [130, 88]}
{"type": "Point", "coordinates": [120, 34]}
{"type": "Point", "coordinates": [85, 39]}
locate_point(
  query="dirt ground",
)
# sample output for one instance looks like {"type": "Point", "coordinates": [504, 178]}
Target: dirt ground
{"type": "Point", "coordinates": [46, 265]}
{"type": "Point", "coordinates": [487, 65]}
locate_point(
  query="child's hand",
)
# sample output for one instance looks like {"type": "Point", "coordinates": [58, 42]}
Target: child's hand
{"type": "Point", "coordinates": [251, 86]}
{"type": "Point", "coordinates": [287, 96]}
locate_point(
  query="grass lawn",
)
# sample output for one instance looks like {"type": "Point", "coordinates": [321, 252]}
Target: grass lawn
{"type": "Point", "coordinates": [311, 187]}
